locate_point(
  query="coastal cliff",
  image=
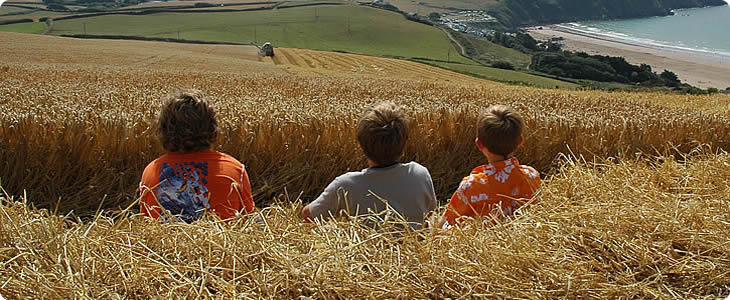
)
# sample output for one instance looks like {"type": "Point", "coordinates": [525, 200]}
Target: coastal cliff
{"type": "Point", "coordinates": [516, 13]}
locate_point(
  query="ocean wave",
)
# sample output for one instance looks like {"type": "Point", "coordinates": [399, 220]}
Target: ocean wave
{"type": "Point", "coordinates": [625, 38]}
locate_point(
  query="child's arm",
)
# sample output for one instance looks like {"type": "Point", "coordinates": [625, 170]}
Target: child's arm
{"type": "Point", "coordinates": [307, 214]}
{"type": "Point", "coordinates": [148, 204]}
{"type": "Point", "coordinates": [457, 206]}
{"type": "Point", "coordinates": [326, 203]}
{"type": "Point", "coordinates": [247, 198]}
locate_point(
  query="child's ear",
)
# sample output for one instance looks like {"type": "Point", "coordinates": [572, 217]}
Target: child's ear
{"type": "Point", "coordinates": [521, 140]}
{"type": "Point", "coordinates": [479, 143]}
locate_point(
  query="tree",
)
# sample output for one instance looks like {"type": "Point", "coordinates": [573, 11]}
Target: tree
{"type": "Point", "coordinates": [553, 46]}
{"type": "Point", "coordinates": [669, 78]}
{"type": "Point", "coordinates": [434, 16]}
{"type": "Point", "coordinates": [503, 65]}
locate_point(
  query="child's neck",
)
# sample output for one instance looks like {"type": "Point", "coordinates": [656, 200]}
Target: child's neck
{"type": "Point", "coordinates": [495, 158]}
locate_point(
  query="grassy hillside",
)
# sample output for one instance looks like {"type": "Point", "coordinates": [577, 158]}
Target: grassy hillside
{"type": "Point", "coordinates": [425, 7]}
{"type": "Point", "coordinates": [32, 27]}
{"type": "Point", "coordinates": [505, 76]}
{"type": "Point", "coordinates": [342, 28]}
{"type": "Point", "coordinates": [486, 52]}
{"type": "Point", "coordinates": [513, 13]}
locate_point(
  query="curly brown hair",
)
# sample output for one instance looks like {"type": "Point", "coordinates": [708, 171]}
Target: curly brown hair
{"type": "Point", "coordinates": [187, 122]}
{"type": "Point", "coordinates": [382, 133]}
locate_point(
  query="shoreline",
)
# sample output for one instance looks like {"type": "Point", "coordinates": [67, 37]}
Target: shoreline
{"type": "Point", "coordinates": [703, 70]}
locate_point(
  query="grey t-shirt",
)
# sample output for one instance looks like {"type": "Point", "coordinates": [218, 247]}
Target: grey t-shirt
{"type": "Point", "coordinates": [406, 187]}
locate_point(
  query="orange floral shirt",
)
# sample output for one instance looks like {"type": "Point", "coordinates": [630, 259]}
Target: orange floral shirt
{"type": "Point", "coordinates": [493, 190]}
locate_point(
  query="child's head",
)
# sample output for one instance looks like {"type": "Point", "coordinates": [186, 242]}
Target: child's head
{"type": "Point", "coordinates": [382, 133]}
{"type": "Point", "coordinates": [187, 122]}
{"type": "Point", "coordinates": [499, 129]}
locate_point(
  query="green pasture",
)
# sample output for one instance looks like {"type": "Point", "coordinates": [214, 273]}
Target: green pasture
{"type": "Point", "coordinates": [349, 28]}
{"type": "Point", "coordinates": [501, 75]}
{"type": "Point", "coordinates": [30, 27]}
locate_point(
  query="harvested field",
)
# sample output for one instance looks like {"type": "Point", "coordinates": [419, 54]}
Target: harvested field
{"type": "Point", "coordinates": [320, 63]}
{"type": "Point", "coordinates": [66, 53]}
{"type": "Point", "coordinates": [652, 228]}
{"type": "Point", "coordinates": [76, 124]}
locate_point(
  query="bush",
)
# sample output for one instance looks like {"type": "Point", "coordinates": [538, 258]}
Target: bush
{"type": "Point", "coordinates": [712, 90]}
{"type": "Point", "coordinates": [16, 21]}
{"type": "Point", "coordinates": [57, 7]}
{"type": "Point", "coordinates": [694, 91]}
{"type": "Point", "coordinates": [203, 4]}
{"type": "Point", "coordinates": [91, 10]}
{"type": "Point", "coordinates": [503, 65]}
{"type": "Point", "coordinates": [670, 79]}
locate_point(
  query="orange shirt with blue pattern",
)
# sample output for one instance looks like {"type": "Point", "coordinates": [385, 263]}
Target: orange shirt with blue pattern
{"type": "Point", "coordinates": [492, 191]}
{"type": "Point", "coordinates": [186, 185]}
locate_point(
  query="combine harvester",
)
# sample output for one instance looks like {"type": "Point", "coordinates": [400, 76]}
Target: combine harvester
{"type": "Point", "coordinates": [266, 50]}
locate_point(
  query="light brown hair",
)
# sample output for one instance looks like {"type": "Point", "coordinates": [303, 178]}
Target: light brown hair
{"type": "Point", "coordinates": [187, 122]}
{"type": "Point", "coordinates": [382, 133]}
{"type": "Point", "coordinates": [499, 129]}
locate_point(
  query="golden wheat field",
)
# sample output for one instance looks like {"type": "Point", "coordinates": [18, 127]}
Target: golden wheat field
{"type": "Point", "coordinates": [635, 201]}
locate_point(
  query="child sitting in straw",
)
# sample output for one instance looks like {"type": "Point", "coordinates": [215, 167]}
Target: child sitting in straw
{"type": "Point", "coordinates": [406, 187]}
{"type": "Point", "coordinates": [500, 187]}
{"type": "Point", "coordinates": [191, 178]}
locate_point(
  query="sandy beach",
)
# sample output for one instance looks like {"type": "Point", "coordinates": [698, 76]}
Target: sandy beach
{"type": "Point", "coordinates": [699, 69]}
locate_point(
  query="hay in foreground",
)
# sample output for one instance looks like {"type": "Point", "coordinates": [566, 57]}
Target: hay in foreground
{"type": "Point", "coordinates": [645, 228]}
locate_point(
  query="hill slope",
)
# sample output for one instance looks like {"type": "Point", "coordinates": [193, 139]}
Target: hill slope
{"type": "Point", "coordinates": [355, 29]}
{"type": "Point", "coordinates": [514, 13]}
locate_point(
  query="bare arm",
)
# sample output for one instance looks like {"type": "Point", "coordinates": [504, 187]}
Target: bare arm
{"type": "Point", "coordinates": [306, 214]}
{"type": "Point", "coordinates": [442, 221]}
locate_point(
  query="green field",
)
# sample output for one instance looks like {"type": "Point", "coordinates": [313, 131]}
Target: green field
{"type": "Point", "coordinates": [348, 28]}
{"type": "Point", "coordinates": [30, 27]}
{"type": "Point", "coordinates": [501, 75]}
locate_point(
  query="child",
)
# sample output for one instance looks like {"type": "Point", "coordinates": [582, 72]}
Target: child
{"type": "Point", "coordinates": [382, 133]}
{"type": "Point", "coordinates": [500, 187]}
{"type": "Point", "coordinates": [191, 178]}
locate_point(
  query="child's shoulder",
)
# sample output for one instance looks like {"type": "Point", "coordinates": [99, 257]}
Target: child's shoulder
{"type": "Point", "coordinates": [529, 171]}
{"type": "Point", "coordinates": [416, 168]}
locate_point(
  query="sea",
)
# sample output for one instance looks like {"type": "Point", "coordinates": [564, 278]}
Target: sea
{"type": "Point", "coordinates": [703, 30]}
